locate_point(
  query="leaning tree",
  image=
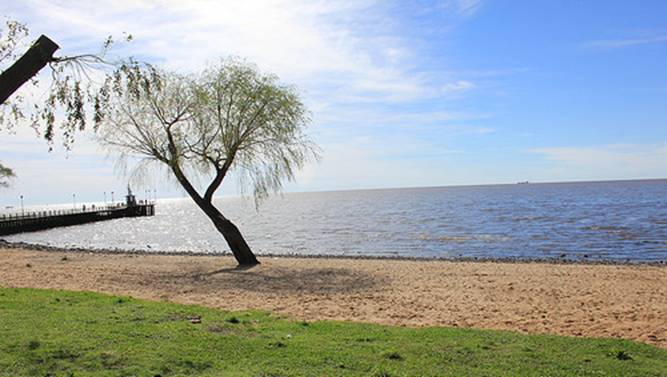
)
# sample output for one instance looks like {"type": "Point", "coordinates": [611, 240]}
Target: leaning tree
{"type": "Point", "coordinates": [229, 118]}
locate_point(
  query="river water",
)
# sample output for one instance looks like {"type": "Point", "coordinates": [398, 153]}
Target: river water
{"type": "Point", "coordinates": [610, 221]}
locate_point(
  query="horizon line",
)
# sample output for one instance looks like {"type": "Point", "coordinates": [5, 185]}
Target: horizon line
{"type": "Point", "coordinates": [520, 183]}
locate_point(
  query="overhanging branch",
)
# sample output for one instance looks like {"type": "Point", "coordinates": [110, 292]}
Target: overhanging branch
{"type": "Point", "coordinates": [28, 65]}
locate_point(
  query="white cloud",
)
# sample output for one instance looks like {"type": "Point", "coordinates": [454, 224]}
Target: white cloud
{"type": "Point", "coordinates": [626, 42]}
{"type": "Point", "coordinates": [349, 58]}
{"type": "Point", "coordinates": [369, 163]}
{"type": "Point", "coordinates": [463, 7]}
{"type": "Point", "coordinates": [619, 161]}
{"type": "Point", "coordinates": [458, 86]}
{"type": "Point", "coordinates": [302, 41]}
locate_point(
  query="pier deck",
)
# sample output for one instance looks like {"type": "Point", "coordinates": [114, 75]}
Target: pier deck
{"type": "Point", "coordinates": [41, 220]}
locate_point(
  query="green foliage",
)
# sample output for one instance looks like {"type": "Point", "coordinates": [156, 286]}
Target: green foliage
{"type": "Point", "coordinates": [71, 93]}
{"type": "Point", "coordinates": [5, 174]}
{"type": "Point", "coordinates": [68, 98]}
{"type": "Point", "coordinates": [231, 117]}
{"type": "Point", "coordinates": [259, 124]}
{"type": "Point", "coordinates": [58, 333]}
{"type": "Point", "coordinates": [12, 34]}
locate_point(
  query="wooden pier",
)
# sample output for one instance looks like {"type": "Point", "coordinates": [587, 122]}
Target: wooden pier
{"type": "Point", "coordinates": [41, 220]}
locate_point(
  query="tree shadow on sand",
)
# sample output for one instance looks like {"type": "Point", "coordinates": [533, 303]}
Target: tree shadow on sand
{"type": "Point", "coordinates": [274, 279]}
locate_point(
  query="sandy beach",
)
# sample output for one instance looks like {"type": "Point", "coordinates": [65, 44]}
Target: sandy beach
{"type": "Point", "coordinates": [625, 301]}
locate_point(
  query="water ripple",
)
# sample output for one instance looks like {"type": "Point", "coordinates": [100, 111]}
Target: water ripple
{"type": "Point", "coordinates": [600, 221]}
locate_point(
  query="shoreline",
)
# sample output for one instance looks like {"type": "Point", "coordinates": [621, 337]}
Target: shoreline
{"type": "Point", "coordinates": [518, 260]}
{"type": "Point", "coordinates": [574, 299]}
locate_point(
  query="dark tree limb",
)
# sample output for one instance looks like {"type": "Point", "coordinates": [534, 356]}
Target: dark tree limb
{"type": "Point", "coordinates": [28, 65]}
{"type": "Point", "coordinates": [240, 249]}
{"type": "Point", "coordinates": [219, 176]}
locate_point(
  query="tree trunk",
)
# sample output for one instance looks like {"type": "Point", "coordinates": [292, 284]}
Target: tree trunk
{"type": "Point", "coordinates": [232, 235]}
{"type": "Point", "coordinates": [28, 65]}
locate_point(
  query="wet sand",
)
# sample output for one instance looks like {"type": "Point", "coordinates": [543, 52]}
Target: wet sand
{"type": "Point", "coordinates": [624, 301]}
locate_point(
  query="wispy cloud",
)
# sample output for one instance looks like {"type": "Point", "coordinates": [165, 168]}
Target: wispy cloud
{"type": "Point", "coordinates": [463, 7]}
{"type": "Point", "coordinates": [300, 40]}
{"type": "Point", "coordinates": [374, 163]}
{"type": "Point", "coordinates": [458, 86]}
{"type": "Point", "coordinates": [608, 44]}
{"type": "Point", "coordinates": [360, 73]}
{"type": "Point", "coordinates": [609, 161]}
{"type": "Point", "coordinates": [352, 51]}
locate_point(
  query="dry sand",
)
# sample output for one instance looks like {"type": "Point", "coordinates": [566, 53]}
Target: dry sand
{"type": "Point", "coordinates": [569, 299]}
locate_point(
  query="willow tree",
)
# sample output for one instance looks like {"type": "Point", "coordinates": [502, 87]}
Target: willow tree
{"type": "Point", "coordinates": [229, 118]}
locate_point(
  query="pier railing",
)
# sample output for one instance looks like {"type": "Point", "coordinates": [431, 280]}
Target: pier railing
{"type": "Point", "coordinates": [40, 220]}
{"type": "Point", "coordinates": [32, 214]}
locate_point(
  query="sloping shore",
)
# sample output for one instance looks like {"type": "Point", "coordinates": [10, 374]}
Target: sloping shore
{"type": "Point", "coordinates": [624, 301]}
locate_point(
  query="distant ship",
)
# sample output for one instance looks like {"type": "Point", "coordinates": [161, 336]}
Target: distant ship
{"type": "Point", "coordinates": [523, 183]}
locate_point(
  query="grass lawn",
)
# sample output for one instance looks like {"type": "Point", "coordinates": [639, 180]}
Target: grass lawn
{"type": "Point", "coordinates": [60, 333]}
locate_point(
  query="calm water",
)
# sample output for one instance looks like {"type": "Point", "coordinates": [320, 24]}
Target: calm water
{"type": "Point", "coordinates": [595, 221]}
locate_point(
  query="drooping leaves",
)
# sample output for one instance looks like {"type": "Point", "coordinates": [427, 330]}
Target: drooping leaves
{"type": "Point", "coordinates": [78, 86]}
{"type": "Point", "coordinates": [230, 117]}
{"type": "Point", "coordinates": [5, 174]}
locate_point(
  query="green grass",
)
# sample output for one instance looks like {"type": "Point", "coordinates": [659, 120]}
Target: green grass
{"type": "Point", "coordinates": [59, 333]}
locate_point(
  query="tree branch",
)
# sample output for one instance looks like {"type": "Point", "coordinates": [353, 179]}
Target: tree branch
{"type": "Point", "coordinates": [219, 176]}
{"type": "Point", "coordinates": [36, 58]}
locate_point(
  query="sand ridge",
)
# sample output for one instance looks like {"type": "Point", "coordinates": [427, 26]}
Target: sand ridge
{"type": "Point", "coordinates": [624, 301]}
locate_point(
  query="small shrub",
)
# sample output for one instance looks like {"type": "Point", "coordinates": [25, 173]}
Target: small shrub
{"type": "Point", "coordinates": [393, 356]}
{"type": "Point", "coordinates": [277, 345]}
{"type": "Point", "coordinates": [622, 355]}
{"type": "Point", "coordinates": [233, 320]}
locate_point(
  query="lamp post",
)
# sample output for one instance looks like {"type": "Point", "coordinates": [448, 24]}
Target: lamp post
{"type": "Point", "coordinates": [73, 201]}
{"type": "Point", "coordinates": [112, 201]}
{"type": "Point", "coordinates": [105, 198]}
{"type": "Point", "coordinates": [22, 209]}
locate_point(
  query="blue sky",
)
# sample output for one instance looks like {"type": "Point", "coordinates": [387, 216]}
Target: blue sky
{"type": "Point", "coordinates": [419, 93]}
